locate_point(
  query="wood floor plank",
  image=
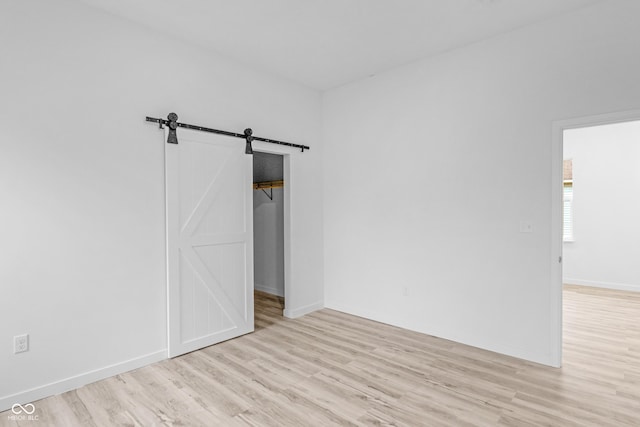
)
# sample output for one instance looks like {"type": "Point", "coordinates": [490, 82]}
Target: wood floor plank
{"type": "Point", "coordinates": [331, 368]}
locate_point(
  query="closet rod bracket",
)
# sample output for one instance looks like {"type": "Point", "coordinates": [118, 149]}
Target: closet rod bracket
{"type": "Point", "coordinates": [270, 196]}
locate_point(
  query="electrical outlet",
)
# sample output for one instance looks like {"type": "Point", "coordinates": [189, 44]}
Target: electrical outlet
{"type": "Point", "coordinates": [405, 291]}
{"type": "Point", "coordinates": [20, 343]}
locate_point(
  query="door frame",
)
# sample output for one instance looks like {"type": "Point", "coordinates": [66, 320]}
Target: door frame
{"type": "Point", "coordinates": [287, 160]}
{"type": "Point", "coordinates": [557, 152]}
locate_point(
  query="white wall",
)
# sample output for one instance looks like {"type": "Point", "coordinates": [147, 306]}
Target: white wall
{"type": "Point", "coordinates": [606, 183]}
{"type": "Point", "coordinates": [430, 168]}
{"type": "Point", "coordinates": [82, 241]}
{"type": "Point", "coordinates": [268, 241]}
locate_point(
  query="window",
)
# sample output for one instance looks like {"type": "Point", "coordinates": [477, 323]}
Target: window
{"type": "Point", "coordinates": [567, 212]}
{"type": "Point", "coordinates": [567, 201]}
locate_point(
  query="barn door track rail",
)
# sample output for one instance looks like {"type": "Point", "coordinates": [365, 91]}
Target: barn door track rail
{"type": "Point", "coordinates": [172, 123]}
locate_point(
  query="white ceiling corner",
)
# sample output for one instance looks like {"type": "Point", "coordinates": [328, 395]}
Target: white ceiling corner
{"type": "Point", "coordinates": [327, 43]}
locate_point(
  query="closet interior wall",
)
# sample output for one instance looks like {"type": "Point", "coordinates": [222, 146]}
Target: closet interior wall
{"type": "Point", "coordinates": [268, 225]}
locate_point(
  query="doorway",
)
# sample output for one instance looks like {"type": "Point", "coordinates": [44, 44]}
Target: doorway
{"type": "Point", "coordinates": [594, 160]}
{"type": "Point", "coordinates": [601, 184]}
{"type": "Point", "coordinates": [268, 226]}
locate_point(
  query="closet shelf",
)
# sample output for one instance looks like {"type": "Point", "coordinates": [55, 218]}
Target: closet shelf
{"type": "Point", "coordinates": [268, 184]}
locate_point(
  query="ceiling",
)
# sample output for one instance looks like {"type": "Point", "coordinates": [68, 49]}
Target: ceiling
{"type": "Point", "coordinates": [327, 43]}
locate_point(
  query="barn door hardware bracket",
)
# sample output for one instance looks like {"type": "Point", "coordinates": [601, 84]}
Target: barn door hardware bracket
{"type": "Point", "coordinates": [248, 138]}
{"type": "Point", "coordinates": [172, 123]}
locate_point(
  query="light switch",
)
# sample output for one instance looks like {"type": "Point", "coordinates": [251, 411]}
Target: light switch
{"type": "Point", "coordinates": [526, 227]}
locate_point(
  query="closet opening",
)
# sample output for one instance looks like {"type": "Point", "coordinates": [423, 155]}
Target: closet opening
{"type": "Point", "coordinates": [268, 233]}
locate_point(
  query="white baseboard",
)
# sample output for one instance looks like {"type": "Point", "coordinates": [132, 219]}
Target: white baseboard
{"type": "Point", "coordinates": [301, 311]}
{"type": "Point", "coordinates": [71, 383]}
{"type": "Point", "coordinates": [536, 356]}
{"type": "Point", "coordinates": [269, 289]}
{"type": "Point", "coordinates": [606, 285]}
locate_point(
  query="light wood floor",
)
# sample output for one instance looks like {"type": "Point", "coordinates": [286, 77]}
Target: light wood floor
{"type": "Point", "coordinates": [330, 368]}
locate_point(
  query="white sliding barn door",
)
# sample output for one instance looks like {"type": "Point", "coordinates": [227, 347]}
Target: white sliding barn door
{"type": "Point", "coordinates": [209, 240]}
